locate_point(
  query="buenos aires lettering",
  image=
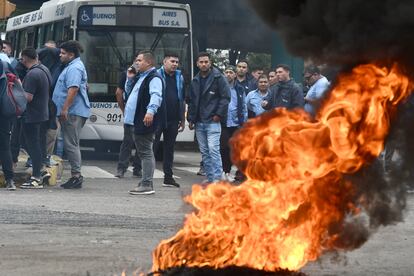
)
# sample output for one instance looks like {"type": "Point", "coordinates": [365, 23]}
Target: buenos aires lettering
{"type": "Point", "coordinates": [101, 105]}
{"type": "Point", "coordinates": [104, 16]}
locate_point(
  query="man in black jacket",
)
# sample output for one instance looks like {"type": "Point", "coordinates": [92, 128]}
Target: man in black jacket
{"type": "Point", "coordinates": [209, 100]}
{"type": "Point", "coordinates": [286, 93]}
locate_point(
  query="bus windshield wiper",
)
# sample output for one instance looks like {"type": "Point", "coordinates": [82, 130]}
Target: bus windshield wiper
{"type": "Point", "coordinates": [115, 48]}
{"type": "Point", "coordinates": [156, 41]}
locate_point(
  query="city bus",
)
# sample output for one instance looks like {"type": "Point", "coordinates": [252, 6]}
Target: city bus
{"type": "Point", "coordinates": [111, 33]}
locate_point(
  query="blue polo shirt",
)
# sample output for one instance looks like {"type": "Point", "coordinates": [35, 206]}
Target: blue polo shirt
{"type": "Point", "coordinates": [73, 75]}
{"type": "Point", "coordinates": [232, 116]}
{"type": "Point", "coordinates": [254, 101]}
{"type": "Point", "coordinates": [155, 91]}
{"type": "Point", "coordinates": [316, 92]}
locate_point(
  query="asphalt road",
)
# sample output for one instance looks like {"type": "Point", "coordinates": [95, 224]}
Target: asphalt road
{"type": "Point", "coordinates": [102, 230]}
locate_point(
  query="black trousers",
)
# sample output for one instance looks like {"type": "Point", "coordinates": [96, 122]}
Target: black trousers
{"type": "Point", "coordinates": [169, 133]}
{"type": "Point", "coordinates": [5, 152]}
{"type": "Point", "coordinates": [17, 138]}
{"type": "Point", "coordinates": [35, 137]}
{"type": "Point", "coordinates": [226, 134]}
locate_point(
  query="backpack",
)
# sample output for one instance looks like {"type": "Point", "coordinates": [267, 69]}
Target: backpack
{"type": "Point", "coordinates": [12, 96]}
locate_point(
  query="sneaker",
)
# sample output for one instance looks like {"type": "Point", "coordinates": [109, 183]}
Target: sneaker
{"type": "Point", "coordinates": [76, 183]}
{"type": "Point", "coordinates": [33, 183]}
{"type": "Point", "coordinates": [142, 190]}
{"type": "Point", "coordinates": [68, 183]}
{"type": "Point", "coordinates": [45, 175]}
{"type": "Point", "coordinates": [201, 172]}
{"type": "Point", "coordinates": [227, 177]}
{"type": "Point", "coordinates": [10, 185]}
{"type": "Point", "coordinates": [137, 173]}
{"type": "Point", "coordinates": [120, 173]}
{"type": "Point", "coordinates": [170, 182]}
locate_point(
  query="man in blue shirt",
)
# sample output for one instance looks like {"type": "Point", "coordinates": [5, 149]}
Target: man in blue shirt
{"type": "Point", "coordinates": [318, 86]}
{"type": "Point", "coordinates": [255, 98]}
{"type": "Point", "coordinates": [73, 107]}
{"type": "Point", "coordinates": [175, 114]}
{"type": "Point", "coordinates": [145, 98]}
{"type": "Point", "coordinates": [236, 116]}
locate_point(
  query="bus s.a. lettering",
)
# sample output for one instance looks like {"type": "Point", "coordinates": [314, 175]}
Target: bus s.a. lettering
{"type": "Point", "coordinates": [171, 23]}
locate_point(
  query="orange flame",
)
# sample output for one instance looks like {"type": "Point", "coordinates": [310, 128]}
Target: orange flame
{"type": "Point", "coordinates": [293, 204]}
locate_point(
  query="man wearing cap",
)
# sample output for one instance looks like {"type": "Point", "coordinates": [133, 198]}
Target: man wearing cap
{"type": "Point", "coordinates": [236, 116]}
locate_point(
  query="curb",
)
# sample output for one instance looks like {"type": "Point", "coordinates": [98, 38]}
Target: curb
{"type": "Point", "coordinates": [22, 173]}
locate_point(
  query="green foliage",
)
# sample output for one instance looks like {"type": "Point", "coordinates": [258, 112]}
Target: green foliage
{"type": "Point", "coordinates": [220, 58]}
{"type": "Point", "coordinates": [260, 60]}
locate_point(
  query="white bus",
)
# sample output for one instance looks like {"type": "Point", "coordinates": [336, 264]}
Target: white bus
{"type": "Point", "coordinates": [111, 33]}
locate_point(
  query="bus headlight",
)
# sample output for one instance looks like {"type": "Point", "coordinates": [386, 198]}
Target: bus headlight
{"type": "Point", "coordinates": [93, 118]}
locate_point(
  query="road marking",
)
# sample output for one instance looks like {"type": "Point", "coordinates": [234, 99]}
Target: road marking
{"type": "Point", "coordinates": [157, 174]}
{"type": "Point", "coordinates": [188, 169]}
{"type": "Point", "coordinates": [95, 172]}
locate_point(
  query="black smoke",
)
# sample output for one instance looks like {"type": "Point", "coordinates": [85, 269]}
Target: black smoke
{"type": "Point", "coordinates": [345, 33]}
{"type": "Point", "coordinates": [339, 32]}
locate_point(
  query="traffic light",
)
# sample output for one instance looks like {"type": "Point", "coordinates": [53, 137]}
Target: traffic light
{"type": "Point", "coordinates": [6, 8]}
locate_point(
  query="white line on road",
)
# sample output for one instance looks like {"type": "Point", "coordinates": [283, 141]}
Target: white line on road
{"type": "Point", "coordinates": [95, 172]}
{"type": "Point", "coordinates": [157, 174]}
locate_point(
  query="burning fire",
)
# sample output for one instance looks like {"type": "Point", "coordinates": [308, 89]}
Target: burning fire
{"type": "Point", "coordinates": [293, 205]}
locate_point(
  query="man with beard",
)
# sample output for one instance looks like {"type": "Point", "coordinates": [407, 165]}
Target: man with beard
{"type": "Point", "coordinates": [246, 81]}
{"type": "Point", "coordinates": [73, 107]}
{"type": "Point", "coordinates": [37, 85]}
{"type": "Point", "coordinates": [209, 99]}
{"type": "Point", "coordinates": [175, 114]}
{"type": "Point", "coordinates": [286, 93]}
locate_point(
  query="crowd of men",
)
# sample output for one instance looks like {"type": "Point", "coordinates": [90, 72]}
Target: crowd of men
{"type": "Point", "coordinates": [153, 101]}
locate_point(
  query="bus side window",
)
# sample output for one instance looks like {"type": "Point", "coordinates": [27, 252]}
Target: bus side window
{"type": "Point", "coordinates": [31, 35]}
{"type": "Point", "coordinates": [11, 36]}
{"type": "Point", "coordinates": [48, 34]}
{"type": "Point", "coordinates": [67, 33]}
{"type": "Point", "coordinates": [22, 40]}
{"type": "Point", "coordinates": [58, 31]}
{"type": "Point", "coordinates": [40, 36]}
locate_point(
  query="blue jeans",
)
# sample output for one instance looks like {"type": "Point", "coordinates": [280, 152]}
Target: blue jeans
{"type": "Point", "coordinates": [208, 137]}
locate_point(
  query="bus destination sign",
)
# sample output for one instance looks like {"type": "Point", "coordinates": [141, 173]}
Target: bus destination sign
{"type": "Point", "coordinates": [132, 16]}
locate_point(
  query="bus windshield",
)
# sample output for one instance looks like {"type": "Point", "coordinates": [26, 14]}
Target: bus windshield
{"type": "Point", "coordinates": [107, 54]}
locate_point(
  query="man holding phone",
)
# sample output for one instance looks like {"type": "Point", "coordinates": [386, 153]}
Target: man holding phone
{"type": "Point", "coordinates": [128, 140]}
